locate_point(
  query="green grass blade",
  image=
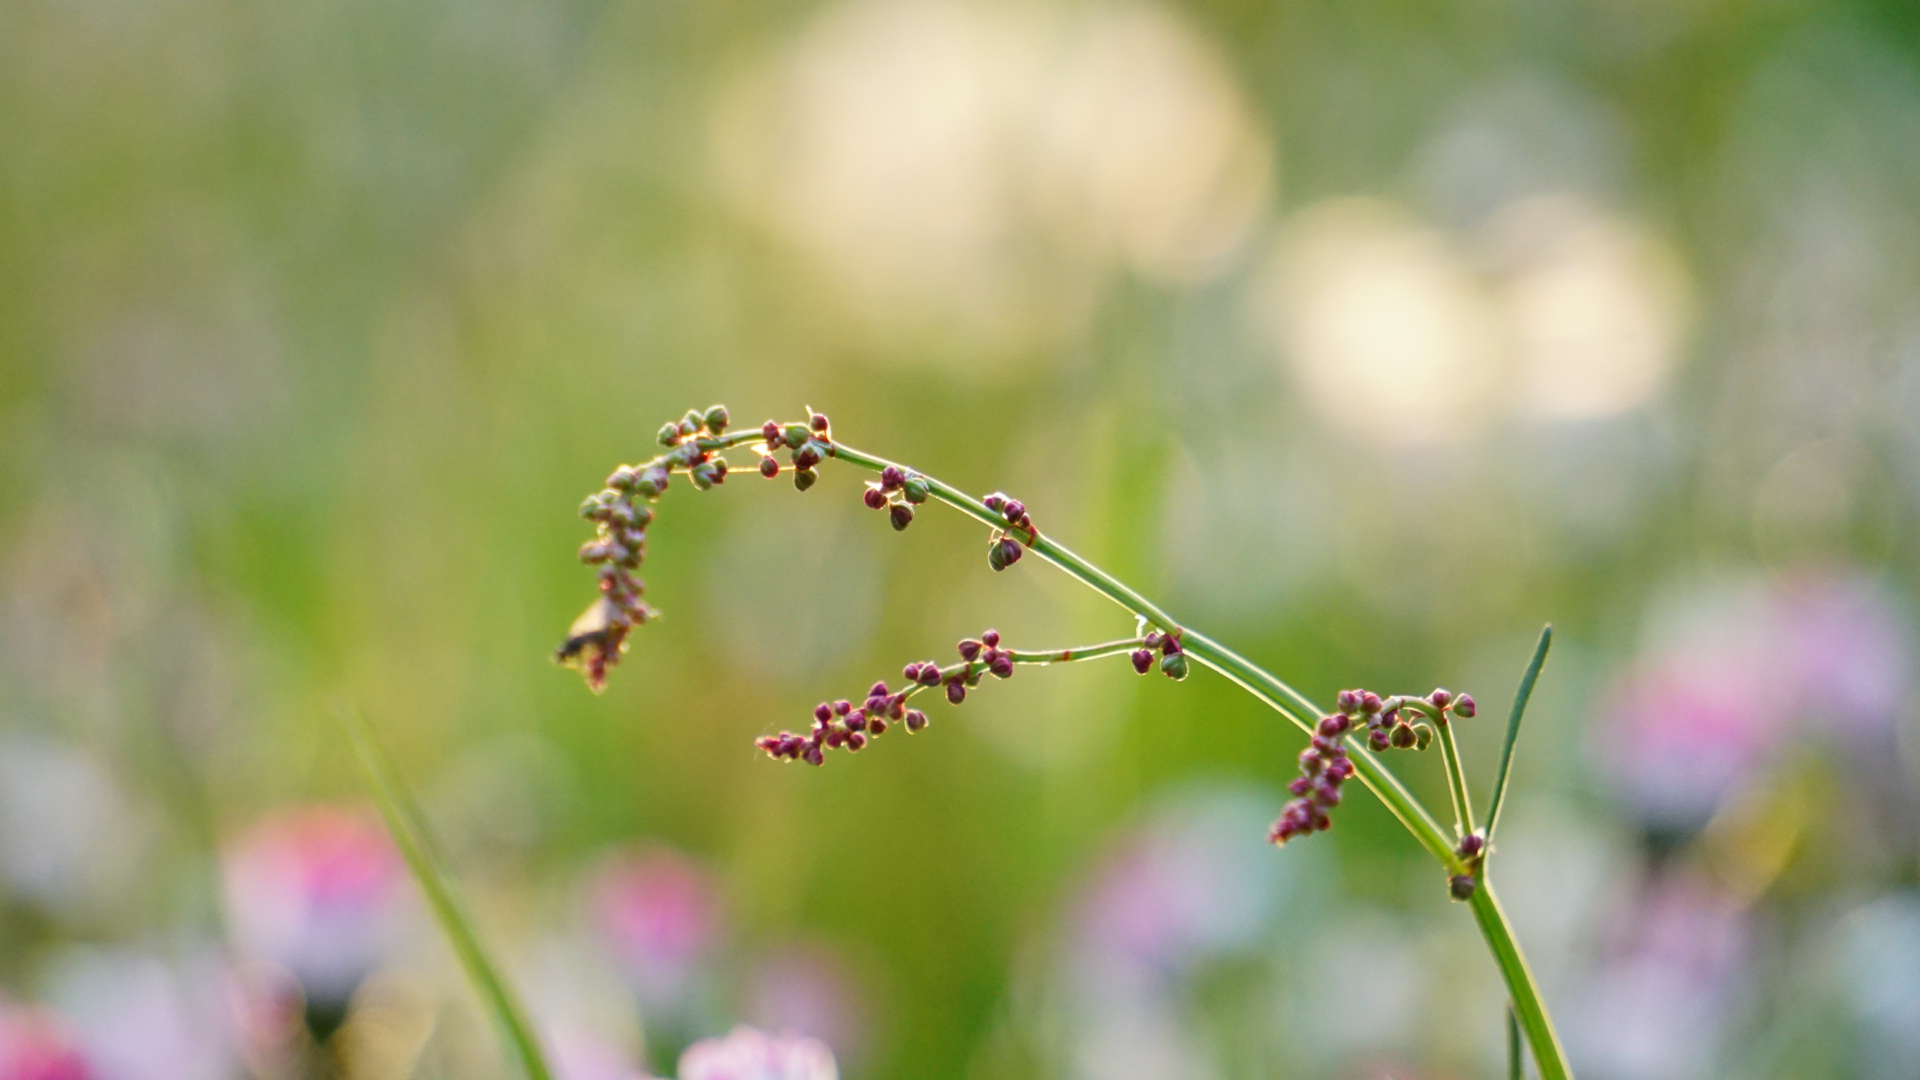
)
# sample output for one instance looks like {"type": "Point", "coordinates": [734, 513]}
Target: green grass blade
{"type": "Point", "coordinates": [410, 836]}
{"type": "Point", "coordinates": [1514, 1067]}
{"type": "Point", "coordinates": [1520, 700]}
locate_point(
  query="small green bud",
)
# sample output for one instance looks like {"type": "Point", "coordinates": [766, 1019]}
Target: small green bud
{"type": "Point", "coordinates": [916, 489]}
{"type": "Point", "coordinates": [796, 435]}
{"type": "Point", "coordinates": [702, 475]}
{"type": "Point", "coordinates": [1422, 736]}
{"type": "Point", "coordinates": [590, 507]}
{"type": "Point", "coordinates": [804, 478]}
{"type": "Point", "coordinates": [1174, 666]}
{"type": "Point", "coordinates": [717, 419]}
{"type": "Point", "coordinates": [669, 434]}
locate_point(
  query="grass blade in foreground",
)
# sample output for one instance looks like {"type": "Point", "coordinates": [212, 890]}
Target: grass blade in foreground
{"type": "Point", "coordinates": [1520, 700]}
{"type": "Point", "coordinates": [409, 834]}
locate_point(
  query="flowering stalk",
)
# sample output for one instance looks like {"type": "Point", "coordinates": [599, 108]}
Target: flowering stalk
{"type": "Point", "coordinates": [1343, 743]}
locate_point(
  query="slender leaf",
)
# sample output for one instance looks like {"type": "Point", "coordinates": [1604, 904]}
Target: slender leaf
{"type": "Point", "coordinates": [410, 836]}
{"type": "Point", "coordinates": [1520, 700]}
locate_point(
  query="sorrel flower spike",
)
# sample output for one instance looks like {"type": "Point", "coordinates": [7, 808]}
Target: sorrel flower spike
{"type": "Point", "coordinates": [1344, 743]}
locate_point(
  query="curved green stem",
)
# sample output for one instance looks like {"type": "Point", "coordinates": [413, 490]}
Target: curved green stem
{"type": "Point", "coordinates": [1295, 706]}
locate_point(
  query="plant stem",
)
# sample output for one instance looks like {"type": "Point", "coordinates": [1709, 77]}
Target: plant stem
{"type": "Point", "coordinates": [1531, 1011]}
{"type": "Point", "coordinates": [1296, 707]}
{"type": "Point", "coordinates": [1456, 778]}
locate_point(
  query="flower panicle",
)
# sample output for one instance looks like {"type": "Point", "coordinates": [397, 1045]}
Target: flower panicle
{"type": "Point", "coordinates": [1396, 723]}
{"type": "Point", "coordinates": [843, 725]}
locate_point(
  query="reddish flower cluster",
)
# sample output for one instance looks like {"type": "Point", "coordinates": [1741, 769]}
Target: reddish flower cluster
{"type": "Point", "coordinates": [897, 492]}
{"type": "Point", "coordinates": [807, 445]}
{"type": "Point", "coordinates": [1324, 766]}
{"type": "Point", "coordinates": [1004, 546]}
{"type": "Point", "coordinates": [599, 635]}
{"type": "Point", "coordinates": [1173, 658]}
{"type": "Point", "coordinates": [840, 725]}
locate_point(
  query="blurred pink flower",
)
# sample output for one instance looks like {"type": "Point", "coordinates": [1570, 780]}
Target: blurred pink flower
{"type": "Point", "coordinates": [319, 891]}
{"type": "Point", "coordinates": [1727, 672]}
{"type": "Point", "coordinates": [750, 1054]}
{"type": "Point", "coordinates": [1655, 1008]}
{"type": "Point", "coordinates": [1181, 887]}
{"type": "Point", "coordinates": [35, 1045]}
{"type": "Point", "coordinates": [658, 911]}
{"type": "Point", "coordinates": [807, 990]}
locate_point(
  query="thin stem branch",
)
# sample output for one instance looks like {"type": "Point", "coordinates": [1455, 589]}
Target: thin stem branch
{"type": "Point", "coordinates": [1456, 779]}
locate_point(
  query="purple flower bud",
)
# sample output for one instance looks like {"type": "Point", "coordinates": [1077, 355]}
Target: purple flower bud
{"type": "Point", "coordinates": [772, 744]}
{"type": "Point", "coordinates": [1310, 762]}
{"type": "Point", "coordinates": [1014, 510]}
{"type": "Point", "coordinates": [836, 739]}
{"type": "Point", "coordinates": [901, 515]}
{"type": "Point", "coordinates": [1152, 639]}
{"type": "Point", "coordinates": [1301, 785]}
{"type": "Point", "coordinates": [879, 689]}
{"type": "Point", "coordinates": [897, 707]}
{"type": "Point", "coordinates": [842, 707]}
{"type": "Point", "coordinates": [991, 639]}
{"type": "Point", "coordinates": [1462, 887]}
{"type": "Point", "coordinates": [911, 672]}
{"type": "Point", "coordinates": [770, 431]}
{"type": "Point", "coordinates": [874, 498]}
{"type": "Point", "coordinates": [1326, 796]}
{"type": "Point", "coordinates": [1340, 768]}
{"type": "Point", "coordinates": [1469, 846]}
{"type": "Point", "coordinates": [892, 479]}
{"type": "Point", "coordinates": [929, 674]}
{"type": "Point", "coordinates": [916, 720]}
{"type": "Point", "coordinates": [1440, 698]}
{"type": "Point", "coordinates": [720, 470]}
{"type": "Point", "coordinates": [1464, 707]}
{"type": "Point", "coordinates": [807, 456]}
{"type": "Point", "coordinates": [1333, 726]}
{"type": "Point", "coordinates": [819, 422]}
{"type": "Point", "coordinates": [1378, 739]}
{"type": "Point", "coordinates": [1369, 702]}
{"type": "Point", "coordinates": [857, 722]}
{"type": "Point", "coordinates": [1348, 701]}
{"type": "Point", "coordinates": [769, 468]}
{"type": "Point", "coordinates": [823, 712]}
{"type": "Point", "coordinates": [1170, 645]}
{"type": "Point", "coordinates": [1001, 666]}
{"type": "Point", "coordinates": [1004, 553]}
{"type": "Point", "coordinates": [995, 501]}
{"type": "Point", "coordinates": [1142, 660]}
{"type": "Point", "coordinates": [969, 650]}
{"type": "Point", "coordinates": [956, 692]}
{"type": "Point", "coordinates": [877, 727]}
{"type": "Point", "coordinates": [815, 757]}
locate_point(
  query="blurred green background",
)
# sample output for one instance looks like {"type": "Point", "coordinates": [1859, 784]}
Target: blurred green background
{"type": "Point", "coordinates": [1366, 337]}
